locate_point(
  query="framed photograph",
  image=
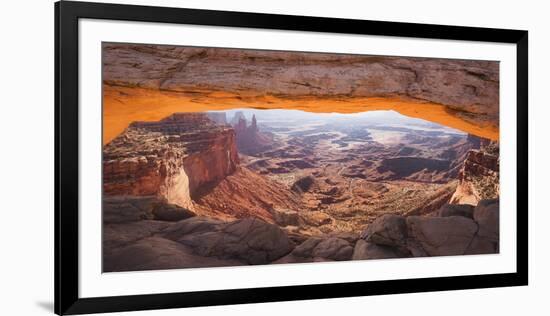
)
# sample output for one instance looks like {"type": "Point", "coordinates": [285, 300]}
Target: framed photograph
{"type": "Point", "coordinates": [209, 157]}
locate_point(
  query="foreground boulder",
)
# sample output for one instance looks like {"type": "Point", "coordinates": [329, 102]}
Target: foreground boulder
{"type": "Point", "coordinates": [122, 235]}
{"type": "Point", "coordinates": [366, 250]}
{"type": "Point", "coordinates": [192, 243]}
{"type": "Point", "coordinates": [464, 210]}
{"type": "Point", "coordinates": [125, 209]}
{"type": "Point", "coordinates": [486, 214]}
{"type": "Point", "coordinates": [387, 230]}
{"type": "Point", "coordinates": [171, 212]}
{"type": "Point", "coordinates": [333, 249]}
{"type": "Point", "coordinates": [456, 230]}
{"type": "Point", "coordinates": [440, 236]}
{"type": "Point", "coordinates": [320, 249]}
{"type": "Point", "coordinates": [195, 225]}
{"type": "Point", "coordinates": [250, 240]}
{"type": "Point", "coordinates": [154, 253]}
{"type": "Point", "coordinates": [131, 244]}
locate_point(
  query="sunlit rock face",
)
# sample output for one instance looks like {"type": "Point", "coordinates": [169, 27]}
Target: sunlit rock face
{"type": "Point", "coordinates": [172, 158]}
{"type": "Point", "coordinates": [470, 86]}
{"type": "Point", "coordinates": [462, 94]}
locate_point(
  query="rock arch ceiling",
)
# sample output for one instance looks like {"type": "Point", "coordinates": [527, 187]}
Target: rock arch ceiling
{"type": "Point", "coordinates": [142, 82]}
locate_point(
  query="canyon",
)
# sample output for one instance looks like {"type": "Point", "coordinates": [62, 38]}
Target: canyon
{"type": "Point", "coordinates": [245, 186]}
{"type": "Point", "coordinates": [171, 158]}
{"type": "Point", "coordinates": [226, 156]}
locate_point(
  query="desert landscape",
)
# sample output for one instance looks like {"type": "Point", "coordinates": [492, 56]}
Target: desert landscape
{"type": "Point", "coordinates": [224, 157]}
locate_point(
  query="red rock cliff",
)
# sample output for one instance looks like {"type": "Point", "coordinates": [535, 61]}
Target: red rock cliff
{"type": "Point", "coordinates": [172, 158]}
{"type": "Point", "coordinates": [479, 177]}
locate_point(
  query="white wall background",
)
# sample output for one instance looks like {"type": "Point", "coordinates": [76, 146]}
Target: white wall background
{"type": "Point", "coordinates": [26, 159]}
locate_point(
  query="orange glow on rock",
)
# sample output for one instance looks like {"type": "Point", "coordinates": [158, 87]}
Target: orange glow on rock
{"type": "Point", "coordinates": [123, 105]}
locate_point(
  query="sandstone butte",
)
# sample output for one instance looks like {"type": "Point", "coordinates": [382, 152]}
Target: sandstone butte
{"type": "Point", "coordinates": [148, 83]}
{"type": "Point", "coordinates": [172, 157]}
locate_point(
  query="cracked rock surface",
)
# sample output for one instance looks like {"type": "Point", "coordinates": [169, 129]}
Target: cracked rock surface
{"type": "Point", "coordinates": [452, 231]}
{"type": "Point", "coordinates": [205, 242]}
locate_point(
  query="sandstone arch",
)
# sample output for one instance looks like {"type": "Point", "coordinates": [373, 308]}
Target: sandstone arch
{"type": "Point", "coordinates": [144, 82]}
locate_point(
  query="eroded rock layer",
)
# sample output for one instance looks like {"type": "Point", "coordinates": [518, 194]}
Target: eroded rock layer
{"type": "Point", "coordinates": [455, 230]}
{"type": "Point", "coordinates": [479, 176]}
{"type": "Point", "coordinates": [461, 93]}
{"type": "Point", "coordinates": [131, 244]}
{"type": "Point", "coordinates": [172, 158]}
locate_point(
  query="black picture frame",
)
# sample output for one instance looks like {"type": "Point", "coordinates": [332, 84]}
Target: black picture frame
{"type": "Point", "coordinates": [67, 15]}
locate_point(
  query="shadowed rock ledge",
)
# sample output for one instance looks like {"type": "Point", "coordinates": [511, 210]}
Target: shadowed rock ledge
{"type": "Point", "coordinates": [132, 243]}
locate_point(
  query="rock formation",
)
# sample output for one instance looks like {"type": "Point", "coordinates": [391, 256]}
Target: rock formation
{"type": "Point", "coordinates": [464, 85]}
{"type": "Point", "coordinates": [457, 230]}
{"type": "Point", "coordinates": [467, 90]}
{"type": "Point", "coordinates": [195, 242]}
{"type": "Point", "coordinates": [121, 209]}
{"type": "Point", "coordinates": [319, 250]}
{"type": "Point", "coordinates": [244, 194]}
{"type": "Point", "coordinates": [189, 160]}
{"type": "Point", "coordinates": [303, 184]}
{"type": "Point", "coordinates": [237, 117]}
{"type": "Point", "coordinates": [479, 176]}
{"type": "Point", "coordinates": [250, 140]}
{"type": "Point", "coordinates": [132, 243]}
{"type": "Point", "coordinates": [177, 194]}
{"type": "Point", "coordinates": [416, 158]}
{"type": "Point", "coordinates": [172, 158]}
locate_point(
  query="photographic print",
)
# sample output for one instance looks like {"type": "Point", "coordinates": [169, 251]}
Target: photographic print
{"type": "Point", "coordinates": [219, 157]}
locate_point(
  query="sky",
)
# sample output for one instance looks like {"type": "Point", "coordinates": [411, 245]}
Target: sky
{"type": "Point", "coordinates": [376, 118]}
